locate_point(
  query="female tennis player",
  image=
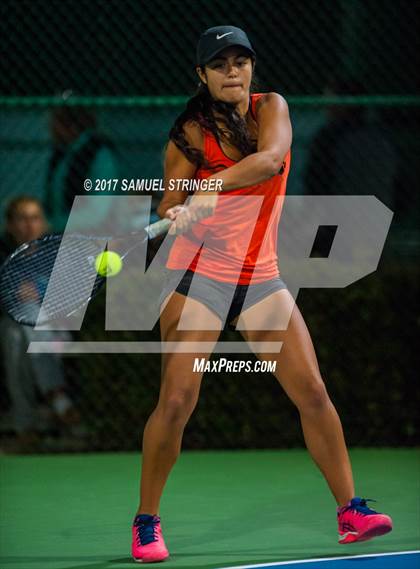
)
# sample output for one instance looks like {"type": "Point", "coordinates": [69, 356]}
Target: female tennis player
{"type": "Point", "coordinates": [241, 140]}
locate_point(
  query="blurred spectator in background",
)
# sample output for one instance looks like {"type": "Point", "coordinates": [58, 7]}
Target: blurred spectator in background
{"type": "Point", "coordinates": [79, 152]}
{"type": "Point", "coordinates": [350, 155]}
{"type": "Point", "coordinates": [30, 375]}
{"type": "Point", "coordinates": [404, 122]}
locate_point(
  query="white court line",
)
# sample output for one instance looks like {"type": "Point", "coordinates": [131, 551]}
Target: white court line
{"type": "Point", "coordinates": [317, 560]}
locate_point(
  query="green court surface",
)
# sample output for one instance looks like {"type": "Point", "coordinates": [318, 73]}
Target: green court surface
{"type": "Point", "coordinates": [220, 509]}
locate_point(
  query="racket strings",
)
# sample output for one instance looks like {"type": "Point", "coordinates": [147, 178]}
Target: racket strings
{"type": "Point", "coordinates": [50, 278]}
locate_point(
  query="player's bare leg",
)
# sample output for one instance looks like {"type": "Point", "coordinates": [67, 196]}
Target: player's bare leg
{"type": "Point", "coordinates": [298, 373]}
{"type": "Point", "coordinates": [179, 392]}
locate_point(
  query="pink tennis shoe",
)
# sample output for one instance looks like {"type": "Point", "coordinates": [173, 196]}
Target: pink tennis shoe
{"type": "Point", "coordinates": [148, 545]}
{"type": "Point", "coordinates": [357, 522]}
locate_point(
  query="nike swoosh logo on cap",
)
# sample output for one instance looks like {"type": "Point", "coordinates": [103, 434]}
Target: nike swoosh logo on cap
{"type": "Point", "coordinates": [223, 35]}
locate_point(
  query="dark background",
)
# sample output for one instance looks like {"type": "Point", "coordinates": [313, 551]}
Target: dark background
{"type": "Point", "coordinates": [365, 335]}
{"type": "Point", "coordinates": [124, 47]}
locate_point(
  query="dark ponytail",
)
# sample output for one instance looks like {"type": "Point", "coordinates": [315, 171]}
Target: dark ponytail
{"type": "Point", "coordinates": [201, 109]}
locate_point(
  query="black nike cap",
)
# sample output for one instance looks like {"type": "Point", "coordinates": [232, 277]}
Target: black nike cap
{"type": "Point", "coordinates": [214, 40]}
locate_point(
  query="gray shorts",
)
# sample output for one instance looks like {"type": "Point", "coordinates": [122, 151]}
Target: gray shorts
{"type": "Point", "coordinates": [226, 300]}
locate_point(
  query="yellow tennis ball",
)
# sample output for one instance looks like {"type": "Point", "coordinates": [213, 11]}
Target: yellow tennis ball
{"type": "Point", "coordinates": [108, 264]}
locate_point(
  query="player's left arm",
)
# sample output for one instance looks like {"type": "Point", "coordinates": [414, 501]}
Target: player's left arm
{"type": "Point", "coordinates": [274, 141]}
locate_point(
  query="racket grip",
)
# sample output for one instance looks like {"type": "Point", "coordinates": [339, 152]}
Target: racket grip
{"type": "Point", "coordinates": [158, 228]}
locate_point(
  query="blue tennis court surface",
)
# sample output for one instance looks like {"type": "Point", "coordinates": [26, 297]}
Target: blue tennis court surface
{"type": "Point", "coordinates": [398, 560]}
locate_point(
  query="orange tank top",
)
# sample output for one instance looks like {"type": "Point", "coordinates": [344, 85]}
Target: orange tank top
{"type": "Point", "coordinates": [240, 238]}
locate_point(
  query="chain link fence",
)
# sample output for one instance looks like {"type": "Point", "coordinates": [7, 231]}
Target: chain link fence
{"type": "Point", "coordinates": [147, 47]}
{"type": "Point", "coordinates": [90, 89]}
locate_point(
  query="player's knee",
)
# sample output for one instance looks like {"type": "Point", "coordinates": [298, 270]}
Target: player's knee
{"type": "Point", "coordinates": [314, 396]}
{"type": "Point", "coordinates": [176, 408]}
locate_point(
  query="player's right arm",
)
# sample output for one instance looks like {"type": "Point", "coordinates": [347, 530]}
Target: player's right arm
{"type": "Point", "coordinates": [176, 167]}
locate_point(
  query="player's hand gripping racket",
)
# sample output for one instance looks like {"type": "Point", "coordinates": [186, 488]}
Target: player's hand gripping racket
{"type": "Point", "coordinates": [28, 294]}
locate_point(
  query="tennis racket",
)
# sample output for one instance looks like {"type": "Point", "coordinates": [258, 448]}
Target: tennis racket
{"type": "Point", "coordinates": [27, 277]}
